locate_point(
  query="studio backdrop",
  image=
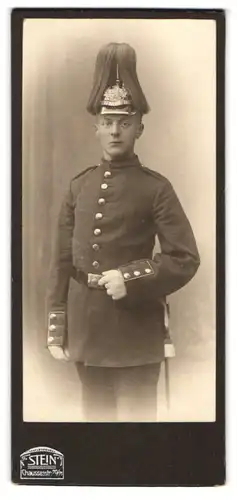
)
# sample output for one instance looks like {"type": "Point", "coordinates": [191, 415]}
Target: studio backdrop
{"type": "Point", "coordinates": [176, 68]}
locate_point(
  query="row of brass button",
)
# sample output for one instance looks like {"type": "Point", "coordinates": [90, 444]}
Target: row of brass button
{"type": "Point", "coordinates": [52, 327]}
{"type": "Point", "coordinates": [136, 273]}
{"type": "Point", "coordinates": [99, 216]}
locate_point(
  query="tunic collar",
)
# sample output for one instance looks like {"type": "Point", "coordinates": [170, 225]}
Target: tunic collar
{"type": "Point", "coordinates": [132, 161]}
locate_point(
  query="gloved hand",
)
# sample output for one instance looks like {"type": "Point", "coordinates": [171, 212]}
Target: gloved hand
{"type": "Point", "coordinates": [58, 352]}
{"type": "Point", "coordinates": [114, 283]}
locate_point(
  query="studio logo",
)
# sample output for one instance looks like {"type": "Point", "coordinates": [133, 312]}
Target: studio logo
{"type": "Point", "coordinates": [42, 463]}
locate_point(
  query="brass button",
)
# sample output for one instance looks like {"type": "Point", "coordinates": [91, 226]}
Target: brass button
{"type": "Point", "coordinates": [97, 231]}
{"type": "Point", "coordinates": [148, 271]}
{"type": "Point", "coordinates": [101, 201]}
{"type": "Point", "coordinates": [136, 273]}
{"type": "Point", "coordinates": [95, 246]}
{"type": "Point", "coordinates": [95, 263]}
{"type": "Point", "coordinates": [127, 275]}
{"type": "Point", "coordinates": [104, 186]}
{"type": "Point", "coordinates": [52, 328]}
{"type": "Point", "coordinates": [52, 316]}
{"type": "Point", "coordinates": [98, 216]}
{"type": "Point", "coordinates": [107, 174]}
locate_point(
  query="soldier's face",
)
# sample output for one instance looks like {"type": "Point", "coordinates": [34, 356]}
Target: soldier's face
{"type": "Point", "coordinates": [117, 134]}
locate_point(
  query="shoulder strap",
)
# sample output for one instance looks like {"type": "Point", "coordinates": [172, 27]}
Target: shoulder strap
{"type": "Point", "coordinates": [84, 172]}
{"type": "Point", "coordinates": [155, 174]}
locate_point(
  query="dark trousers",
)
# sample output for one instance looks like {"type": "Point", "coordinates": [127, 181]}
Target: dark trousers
{"type": "Point", "coordinates": [119, 394]}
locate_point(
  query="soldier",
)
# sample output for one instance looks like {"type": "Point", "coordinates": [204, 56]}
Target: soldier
{"type": "Point", "coordinates": [107, 290]}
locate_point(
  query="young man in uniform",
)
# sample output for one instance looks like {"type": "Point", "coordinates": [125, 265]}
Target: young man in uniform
{"type": "Point", "coordinates": [107, 290]}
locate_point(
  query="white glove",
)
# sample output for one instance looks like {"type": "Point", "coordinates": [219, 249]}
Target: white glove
{"type": "Point", "coordinates": [58, 352]}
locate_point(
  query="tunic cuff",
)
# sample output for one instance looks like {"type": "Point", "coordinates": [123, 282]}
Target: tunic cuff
{"type": "Point", "coordinates": [56, 335]}
{"type": "Point", "coordinates": [136, 270]}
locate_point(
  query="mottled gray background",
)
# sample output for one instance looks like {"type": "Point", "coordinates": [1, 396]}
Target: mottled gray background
{"type": "Point", "coordinates": [176, 67]}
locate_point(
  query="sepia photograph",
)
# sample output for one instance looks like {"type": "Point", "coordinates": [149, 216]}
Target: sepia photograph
{"type": "Point", "coordinates": [119, 220]}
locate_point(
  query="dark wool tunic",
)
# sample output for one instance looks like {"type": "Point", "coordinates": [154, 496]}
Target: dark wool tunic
{"type": "Point", "coordinates": [108, 220]}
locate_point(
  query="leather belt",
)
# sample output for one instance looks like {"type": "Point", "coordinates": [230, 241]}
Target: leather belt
{"type": "Point", "coordinates": [90, 279]}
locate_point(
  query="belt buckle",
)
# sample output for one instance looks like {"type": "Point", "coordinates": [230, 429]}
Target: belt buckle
{"type": "Point", "coordinates": [93, 279]}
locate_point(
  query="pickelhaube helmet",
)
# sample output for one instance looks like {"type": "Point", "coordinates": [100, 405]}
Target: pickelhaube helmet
{"type": "Point", "coordinates": [116, 88]}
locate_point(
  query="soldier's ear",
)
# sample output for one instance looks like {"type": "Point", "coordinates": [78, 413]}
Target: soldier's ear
{"type": "Point", "coordinates": [96, 128]}
{"type": "Point", "coordinates": [140, 129]}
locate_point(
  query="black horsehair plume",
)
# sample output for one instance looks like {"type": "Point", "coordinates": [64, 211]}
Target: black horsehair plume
{"type": "Point", "coordinates": [116, 58]}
